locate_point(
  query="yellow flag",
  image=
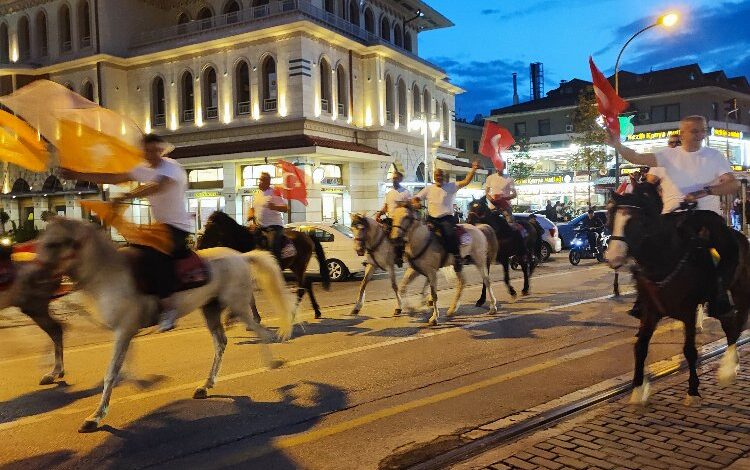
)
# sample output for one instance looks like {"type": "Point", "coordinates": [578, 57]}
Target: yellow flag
{"type": "Point", "coordinates": [20, 144]}
{"type": "Point", "coordinates": [84, 149]}
{"type": "Point", "coordinates": [156, 236]}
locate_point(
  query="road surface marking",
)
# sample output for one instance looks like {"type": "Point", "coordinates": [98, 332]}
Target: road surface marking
{"type": "Point", "coordinates": [239, 375]}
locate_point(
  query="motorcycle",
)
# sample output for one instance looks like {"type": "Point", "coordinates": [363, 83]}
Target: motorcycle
{"type": "Point", "coordinates": [580, 249]}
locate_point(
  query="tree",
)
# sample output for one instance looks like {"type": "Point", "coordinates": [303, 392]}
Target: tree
{"type": "Point", "coordinates": [588, 137]}
{"type": "Point", "coordinates": [518, 166]}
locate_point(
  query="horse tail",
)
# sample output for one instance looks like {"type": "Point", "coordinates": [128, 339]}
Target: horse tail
{"type": "Point", "coordinates": [324, 274]}
{"type": "Point", "coordinates": [266, 270]}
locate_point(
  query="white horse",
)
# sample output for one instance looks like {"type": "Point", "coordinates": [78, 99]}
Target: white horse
{"type": "Point", "coordinates": [426, 256]}
{"type": "Point", "coordinates": [105, 274]}
{"type": "Point", "coordinates": [371, 239]}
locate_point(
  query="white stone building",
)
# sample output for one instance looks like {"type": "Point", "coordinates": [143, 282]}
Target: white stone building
{"type": "Point", "coordinates": [236, 85]}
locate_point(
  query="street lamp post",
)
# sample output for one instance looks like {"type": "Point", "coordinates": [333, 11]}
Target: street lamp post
{"type": "Point", "coordinates": [668, 20]}
{"type": "Point", "coordinates": [425, 126]}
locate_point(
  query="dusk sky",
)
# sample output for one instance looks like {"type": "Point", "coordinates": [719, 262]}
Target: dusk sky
{"type": "Point", "coordinates": [494, 38]}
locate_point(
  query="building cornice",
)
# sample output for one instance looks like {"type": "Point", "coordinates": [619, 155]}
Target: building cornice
{"type": "Point", "coordinates": [8, 7]}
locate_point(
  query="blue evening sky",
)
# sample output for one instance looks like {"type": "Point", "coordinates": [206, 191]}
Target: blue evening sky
{"type": "Point", "coordinates": [494, 38]}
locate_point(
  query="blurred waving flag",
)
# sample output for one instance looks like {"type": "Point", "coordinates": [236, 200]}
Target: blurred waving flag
{"type": "Point", "coordinates": [293, 182]}
{"type": "Point", "coordinates": [610, 105]}
{"type": "Point", "coordinates": [495, 140]}
{"type": "Point", "coordinates": [87, 150]}
{"type": "Point", "coordinates": [21, 145]}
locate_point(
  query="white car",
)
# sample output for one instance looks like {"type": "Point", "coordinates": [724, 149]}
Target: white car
{"type": "Point", "coordinates": [551, 242]}
{"type": "Point", "coordinates": [338, 245]}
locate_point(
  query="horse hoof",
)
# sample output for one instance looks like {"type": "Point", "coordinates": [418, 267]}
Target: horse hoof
{"type": "Point", "coordinates": [275, 364]}
{"type": "Point", "coordinates": [479, 303]}
{"type": "Point", "coordinates": [432, 322]}
{"type": "Point", "coordinates": [692, 401]}
{"type": "Point", "coordinates": [200, 393]}
{"type": "Point", "coordinates": [640, 395]}
{"type": "Point", "coordinates": [513, 293]}
{"type": "Point", "coordinates": [726, 378]}
{"type": "Point", "coordinates": [525, 293]}
{"type": "Point", "coordinates": [88, 426]}
{"type": "Point", "coordinates": [354, 312]}
{"type": "Point", "coordinates": [318, 315]}
{"type": "Point", "coordinates": [450, 313]}
{"type": "Point", "coordinates": [397, 312]}
{"type": "Point", "coordinates": [257, 319]}
{"type": "Point", "coordinates": [48, 379]}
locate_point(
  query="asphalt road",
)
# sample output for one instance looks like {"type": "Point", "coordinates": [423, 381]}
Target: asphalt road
{"type": "Point", "coordinates": [371, 391]}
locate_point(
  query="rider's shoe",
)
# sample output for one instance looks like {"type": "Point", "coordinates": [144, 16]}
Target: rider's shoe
{"type": "Point", "coordinates": [721, 305]}
{"type": "Point", "coordinates": [167, 320]}
{"type": "Point", "coordinates": [458, 263]}
{"type": "Point", "coordinates": [399, 261]}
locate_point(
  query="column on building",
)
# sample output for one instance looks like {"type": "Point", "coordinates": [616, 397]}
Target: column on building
{"type": "Point", "coordinates": [363, 181]}
{"type": "Point", "coordinates": [232, 198]}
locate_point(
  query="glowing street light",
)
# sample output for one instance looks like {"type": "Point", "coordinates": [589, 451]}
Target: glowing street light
{"type": "Point", "coordinates": [424, 126]}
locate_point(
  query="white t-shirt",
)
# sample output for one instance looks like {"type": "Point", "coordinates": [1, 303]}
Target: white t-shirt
{"type": "Point", "coordinates": [439, 199]}
{"type": "Point", "coordinates": [689, 172]}
{"type": "Point", "coordinates": [263, 214]}
{"type": "Point", "coordinates": [394, 196]}
{"type": "Point", "coordinates": [168, 205]}
{"type": "Point", "coordinates": [498, 185]}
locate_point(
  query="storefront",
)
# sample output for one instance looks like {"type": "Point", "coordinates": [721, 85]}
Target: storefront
{"type": "Point", "coordinates": [572, 191]}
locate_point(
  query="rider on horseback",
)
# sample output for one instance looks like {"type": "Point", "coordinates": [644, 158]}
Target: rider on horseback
{"type": "Point", "coordinates": [165, 184]}
{"type": "Point", "coordinates": [500, 190]}
{"type": "Point", "coordinates": [397, 194]}
{"type": "Point", "coordinates": [697, 174]}
{"type": "Point", "coordinates": [440, 197]}
{"type": "Point", "coordinates": [266, 211]}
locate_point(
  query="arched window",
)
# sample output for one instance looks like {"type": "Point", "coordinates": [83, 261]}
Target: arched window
{"type": "Point", "coordinates": [232, 10]}
{"type": "Point", "coordinates": [446, 122]}
{"type": "Point", "coordinates": [354, 12]}
{"type": "Point", "coordinates": [342, 9]}
{"type": "Point", "coordinates": [407, 42]}
{"type": "Point", "coordinates": [52, 184]}
{"type": "Point", "coordinates": [427, 107]}
{"type": "Point", "coordinates": [87, 91]}
{"type": "Point", "coordinates": [260, 8]}
{"type": "Point", "coordinates": [369, 21]}
{"type": "Point", "coordinates": [20, 186]}
{"type": "Point", "coordinates": [325, 86]}
{"type": "Point", "coordinates": [402, 102]}
{"type": "Point", "coordinates": [210, 94]}
{"type": "Point", "coordinates": [343, 91]}
{"type": "Point", "coordinates": [42, 40]}
{"type": "Point", "coordinates": [187, 98]}
{"type": "Point", "coordinates": [242, 89]}
{"type": "Point", "coordinates": [183, 18]}
{"type": "Point", "coordinates": [420, 172]}
{"type": "Point", "coordinates": [158, 103]}
{"type": "Point", "coordinates": [66, 43]}
{"type": "Point", "coordinates": [4, 44]}
{"type": "Point", "coordinates": [24, 39]}
{"type": "Point", "coordinates": [385, 28]}
{"type": "Point", "coordinates": [398, 37]}
{"type": "Point", "coordinates": [389, 100]}
{"type": "Point", "coordinates": [416, 102]}
{"type": "Point", "coordinates": [330, 6]}
{"type": "Point", "coordinates": [84, 24]}
{"type": "Point", "coordinates": [269, 84]}
{"type": "Point", "coordinates": [205, 17]}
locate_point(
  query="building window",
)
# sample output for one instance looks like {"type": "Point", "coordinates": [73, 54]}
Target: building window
{"type": "Point", "coordinates": [66, 45]}
{"type": "Point", "coordinates": [369, 21]}
{"type": "Point", "coordinates": [416, 102]}
{"type": "Point", "coordinates": [544, 127]}
{"type": "Point", "coordinates": [269, 85]}
{"type": "Point", "coordinates": [342, 91]}
{"type": "Point", "coordinates": [187, 98]}
{"type": "Point", "coordinates": [42, 41]}
{"type": "Point", "coordinates": [24, 39]}
{"type": "Point", "coordinates": [519, 129]}
{"type": "Point", "coordinates": [87, 91]}
{"type": "Point", "coordinates": [428, 104]}
{"type": "Point", "coordinates": [475, 147]}
{"type": "Point", "coordinates": [389, 104]}
{"type": "Point", "coordinates": [330, 6]}
{"type": "Point", "coordinates": [407, 42]}
{"type": "Point", "coordinates": [206, 178]}
{"type": "Point", "coordinates": [342, 9]}
{"type": "Point", "coordinates": [4, 44]}
{"type": "Point", "coordinates": [158, 103]}
{"type": "Point", "coordinates": [354, 12]}
{"type": "Point", "coordinates": [331, 175]}
{"type": "Point", "coordinates": [84, 24]}
{"type": "Point", "coordinates": [210, 94]}
{"type": "Point", "coordinates": [402, 102]}
{"type": "Point", "coordinates": [385, 29]}
{"type": "Point", "coordinates": [242, 89]}
{"type": "Point", "coordinates": [445, 128]}
{"type": "Point", "coordinates": [462, 144]}
{"type": "Point", "coordinates": [205, 17]}
{"type": "Point", "coordinates": [232, 12]}
{"type": "Point", "coordinates": [665, 113]}
{"type": "Point", "coordinates": [325, 86]}
{"type": "Point", "coordinates": [420, 173]}
{"type": "Point", "coordinates": [251, 174]}
{"type": "Point", "coordinates": [398, 36]}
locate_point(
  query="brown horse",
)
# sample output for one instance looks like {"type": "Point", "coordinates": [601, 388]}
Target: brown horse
{"type": "Point", "coordinates": [222, 230]}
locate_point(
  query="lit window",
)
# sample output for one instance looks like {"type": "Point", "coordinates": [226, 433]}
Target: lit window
{"type": "Point", "coordinates": [251, 174]}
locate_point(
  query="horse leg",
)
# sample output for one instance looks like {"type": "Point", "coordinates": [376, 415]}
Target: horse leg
{"type": "Point", "coordinates": [729, 366]}
{"type": "Point", "coordinates": [254, 309]}
{"type": "Point", "coordinates": [123, 336]}
{"type": "Point", "coordinates": [238, 310]}
{"type": "Point", "coordinates": [369, 271]}
{"type": "Point", "coordinates": [42, 318]}
{"type": "Point", "coordinates": [616, 285]}
{"type": "Point", "coordinates": [483, 296]}
{"type": "Point", "coordinates": [313, 300]}
{"type": "Point", "coordinates": [487, 283]}
{"type": "Point", "coordinates": [432, 279]}
{"type": "Point", "coordinates": [527, 266]}
{"type": "Point", "coordinates": [427, 298]}
{"type": "Point", "coordinates": [454, 306]}
{"type": "Point", "coordinates": [212, 314]}
{"type": "Point", "coordinates": [641, 387]}
{"type": "Point", "coordinates": [506, 277]}
{"type": "Point", "coordinates": [409, 276]}
{"type": "Point", "coordinates": [693, 397]}
{"type": "Point", "coordinates": [394, 286]}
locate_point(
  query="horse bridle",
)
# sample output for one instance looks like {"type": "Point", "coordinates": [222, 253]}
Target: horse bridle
{"type": "Point", "coordinates": [619, 238]}
{"type": "Point", "coordinates": [402, 229]}
{"type": "Point", "coordinates": [363, 226]}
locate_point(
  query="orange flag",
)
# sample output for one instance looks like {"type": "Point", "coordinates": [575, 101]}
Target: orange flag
{"type": "Point", "coordinates": [20, 144]}
{"type": "Point", "coordinates": [83, 148]}
{"type": "Point", "coordinates": [156, 236]}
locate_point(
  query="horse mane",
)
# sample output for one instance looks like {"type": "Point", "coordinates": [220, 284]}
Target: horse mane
{"type": "Point", "coordinates": [230, 233]}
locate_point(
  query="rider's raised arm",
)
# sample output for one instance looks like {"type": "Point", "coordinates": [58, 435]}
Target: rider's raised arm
{"type": "Point", "coordinates": [644, 159]}
{"type": "Point", "coordinates": [382, 211]}
{"type": "Point", "coordinates": [469, 177]}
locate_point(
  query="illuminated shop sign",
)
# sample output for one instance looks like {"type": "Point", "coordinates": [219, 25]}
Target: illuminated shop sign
{"type": "Point", "coordinates": [656, 135]}
{"type": "Point", "coordinates": [726, 133]}
{"type": "Point", "coordinates": [206, 194]}
{"type": "Point", "coordinates": [545, 179]}
{"type": "Point", "coordinates": [738, 168]}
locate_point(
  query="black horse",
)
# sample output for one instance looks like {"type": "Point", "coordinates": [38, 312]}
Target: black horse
{"type": "Point", "coordinates": [222, 230]}
{"type": "Point", "coordinates": [512, 243]}
{"type": "Point", "coordinates": [672, 280]}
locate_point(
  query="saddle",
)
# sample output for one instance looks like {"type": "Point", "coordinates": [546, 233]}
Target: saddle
{"type": "Point", "coordinates": [264, 241]}
{"type": "Point", "coordinates": [147, 264]}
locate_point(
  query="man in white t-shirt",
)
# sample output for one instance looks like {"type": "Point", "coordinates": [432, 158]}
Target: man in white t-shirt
{"type": "Point", "coordinates": [165, 184]}
{"type": "Point", "coordinates": [440, 197]}
{"type": "Point", "coordinates": [267, 211]}
{"type": "Point", "coordinates": [395, 196]}
{"type": "Point", "coordinates": [695, 173]}
{"type": "Point", "coordinates": [500, 190]}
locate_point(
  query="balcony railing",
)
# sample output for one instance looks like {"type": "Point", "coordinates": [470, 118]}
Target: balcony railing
{"type": "Point", "coordinates": [66, 46]}
{"type": "Point", "coordinates": [269, 105]}
{"type": "Point", "coordinates": [243, 108]}
{"type": "Point", "coordinates": [160, 120]}
{"type": "Point", "coordinates": [324, 106]}
{"type": "Point", "coordinates": [188, 115]}
{"type": "Point", "coordinates": [389, 116]}
{"type": "Point", "coordinates": [85, 42]}
{"type": "Point", "coordinates": [342, 109]}
{"type": "Point", "coordinates": [402, 118]}
{"type": "Point", "coordinates": [212, 112]}
{"type": "Point", "coordinates": [264, 16]}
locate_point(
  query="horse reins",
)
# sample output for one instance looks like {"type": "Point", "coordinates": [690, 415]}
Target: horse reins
{"type": "Point", "coordinates": [371, 250]}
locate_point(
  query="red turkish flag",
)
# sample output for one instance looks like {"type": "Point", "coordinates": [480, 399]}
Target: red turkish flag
{"type": "Point", "coordinates": [610, 105]}
{"type": "Point", "coordinates": [495, 140]}
{"type": "Point", "coordinates": [293, 183]}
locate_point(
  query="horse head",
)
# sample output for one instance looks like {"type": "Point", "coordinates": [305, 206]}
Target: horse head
{"type": "Point", "coordinates": [403, 219]}
{"type": "Point", "coordinates": [478, 210]}
{"type": "Point", "coordinates": [60, 247]}
{"type": "Point", "coordinates": [223, 230]}
{"type": "Point", "coordinates": [359, 227]}
{"type": "Point", "coordinates": [630, 217]}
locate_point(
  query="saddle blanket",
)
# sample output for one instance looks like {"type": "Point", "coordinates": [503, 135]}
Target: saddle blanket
{"type": "Point", "coordinates": [191, 272]}
{"type": "Point", "coordinates": [288, 250]}
{"type": "Point", "coordinates": [464, 237]}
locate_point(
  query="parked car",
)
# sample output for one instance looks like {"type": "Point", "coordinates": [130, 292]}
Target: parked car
{"type": "Point", "coordinates": [567, 229]}
{"type": "Point", "coordinates": [550, 241]}
{"type": "Point", "coordinates": [338, 245]}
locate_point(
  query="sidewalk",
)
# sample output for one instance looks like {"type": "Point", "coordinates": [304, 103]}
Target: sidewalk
{"type": "Point", "coordinates": [666, 435]}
